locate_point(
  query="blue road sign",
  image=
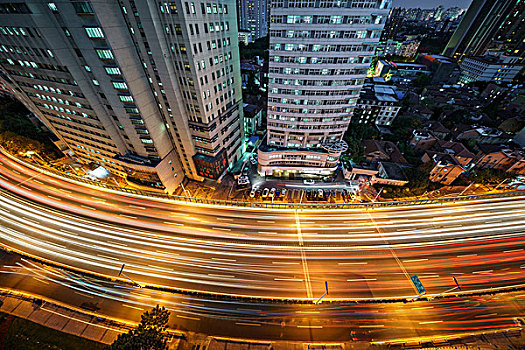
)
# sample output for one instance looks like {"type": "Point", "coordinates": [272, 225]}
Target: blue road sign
{"type": "Point", "coordinates": [417, 283]}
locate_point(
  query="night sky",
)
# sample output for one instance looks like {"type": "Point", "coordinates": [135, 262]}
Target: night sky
{"type": "Point", "coordinates": [431, 4]}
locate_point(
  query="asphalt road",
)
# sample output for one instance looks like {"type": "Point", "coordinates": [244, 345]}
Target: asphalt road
{"type": "Point", "coordinates": [256, 320]}
{"type": "Point", "coordinates": [269, 253]}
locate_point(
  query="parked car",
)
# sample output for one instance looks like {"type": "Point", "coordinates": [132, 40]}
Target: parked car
{"type": "Point", "coordinates": [265, 193]}
{"type": "Point", "coordinates": [308, 182]}
{"type": "Point", "coordinates": [320, 193]}
{"type": "Point", "coordinates": [243, 180]}
{"type": "Point", "coordinates": [253, 192]}
{"type": "Point", "coordinates": [272, 193]}
{"type": "Point", "coordinates": [283, 192]}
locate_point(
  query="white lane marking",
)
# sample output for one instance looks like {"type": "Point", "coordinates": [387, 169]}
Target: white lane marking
{"type": "Point", "coordinates": [133, 307]}
{"type": "Point", "coordinates": [414, 260]}
{"type": "Point", "coordinates": [173, 223]}
{"type": "Point", "coordinates": [136, 206]}
{"type": "Point", "coordinates": [485, 271]}
{"type": "Point", "coordinates": [248, 324]}
{"type": "Point", "coordinates": [467, 255]}
{"type": "Point", "coordinates": [224, 276]}
{"type": "Point", "coordinates": [221, 228]}
{"type": "Point", "coordinates": [353, 263]}
{"type": "Point", "coordinates": [128, 216]}
{"type": "Point", "coordinates": [289, 279]}
{"type": "Point", "coordinates": [55, 198]}
{"type": "Point", "coordinates": [189, 318]}
{"type": "Point", "coordinates": [108, 257]}
{"type": "Point", "coordinates": [513, 250]}
{"type": "Point", "coordinates": [285, 263]}
{"type": "Point", "coordinates": [222, 259]}
{"type": "Point", "coordinates": [362, 279]}
{"type": "Point", "coordinates": [430, 322]}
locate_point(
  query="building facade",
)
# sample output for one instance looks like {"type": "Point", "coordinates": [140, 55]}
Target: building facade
{"type": "Point", "coordinates": [319, 54]}
{"type": "Point", "coordinates": [498, 69]}
{"type": "Point", "coordinates": [150, 91]}
{"type": "Point", "coordinates": [253, 17]}
{"type": "Point", "coordinates": [478, 27]}
{"type": "Point", "coordinates": [377, 104]}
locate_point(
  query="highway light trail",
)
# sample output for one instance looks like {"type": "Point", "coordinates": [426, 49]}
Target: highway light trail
{"type": "Point", "coordinates": [270, 254]}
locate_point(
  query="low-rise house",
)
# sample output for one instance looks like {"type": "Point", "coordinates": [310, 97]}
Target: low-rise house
{"type": "Point", "coordinates": [483, 134]}
{"type": "Point", "coordinates": [422, 111]}
{"type": "Point", "coordinates": [445, 70]}
{"type": "Point", "coordinates": [422, 140]}
{"type": "Point", "coordinates": [385, 173]}
{"type": "Point", "coordinates": [492, 156]}
{"type": "Point", "coordinates": [436, 128]}
{"type": "Point", "coordinates": [376, 151]}
{"type": "Point", "coordinates": [390, 174]}
{"type": "Point", "coordinates": [462, 155]}
{"type": "Point", "coordinates": [446, 167]}
{"type": "Point", "coordinates": [252, 118]}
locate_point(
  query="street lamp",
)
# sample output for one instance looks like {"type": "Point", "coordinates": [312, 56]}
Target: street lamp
{"type": "Point", "coordinates": [122, 274]}
{"type": "Point", "coordinates": [186, 192]}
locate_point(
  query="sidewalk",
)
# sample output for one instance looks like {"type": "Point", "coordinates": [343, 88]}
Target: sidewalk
{"type": "Point", "coordinates": [61, 318]}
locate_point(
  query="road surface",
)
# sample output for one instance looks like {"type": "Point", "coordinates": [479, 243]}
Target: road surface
{"type": "Point", "coordinates": [271, 254]}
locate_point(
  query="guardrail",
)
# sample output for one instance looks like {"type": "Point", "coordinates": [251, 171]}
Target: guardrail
{"type": "Point", "coordinates": [291, 206]}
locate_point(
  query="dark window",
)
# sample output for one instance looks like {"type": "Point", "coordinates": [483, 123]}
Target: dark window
{"type": "Point", "coordinates": [82, 7]}
{"type": "Point", "coordinates": [14, 8]}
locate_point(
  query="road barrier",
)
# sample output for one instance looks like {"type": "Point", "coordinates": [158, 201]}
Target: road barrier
{"type": "Point", "coordinates": [269, 205]}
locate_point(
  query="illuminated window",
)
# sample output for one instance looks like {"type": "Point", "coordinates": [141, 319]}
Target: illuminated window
{"type": "Point", "coordinates": [94, 33]}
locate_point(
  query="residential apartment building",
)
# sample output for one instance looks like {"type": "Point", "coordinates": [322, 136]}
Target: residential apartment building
{"type": "Point", "coordinates": [319, 54]}
{"type": "Point", "coordinates": [253, 17]}
{"type": "Point", "coordinates": [407, 48]}
{"type": "Point", "coordinates": [498, 69]}
{"type": "Point", "coordinates": [377, 104]}
{"type": "Point", "coordinates": [148, 90]}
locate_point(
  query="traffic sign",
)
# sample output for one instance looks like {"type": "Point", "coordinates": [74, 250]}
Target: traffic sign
{"type": "Point", "coordinates": [417, 283]}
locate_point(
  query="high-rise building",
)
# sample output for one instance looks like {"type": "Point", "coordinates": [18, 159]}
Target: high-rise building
{"type": "Point", "coordinates": [393, 23]}
{"type": "Point", "coordinates": [253, 16]}
{"type": "Point", "coordinates": [149, 90]}
{"type": "Point", "coordinates": [319, 54]}
{"type": "Point", "coordinates": [438, 13]}
{"type": "Point", "coordinates": [510, 37]}
{"type": "Point", "coordinates": [478, 27]}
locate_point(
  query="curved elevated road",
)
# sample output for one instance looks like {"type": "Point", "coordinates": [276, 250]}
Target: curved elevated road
{"type": "Point", "coordinates": [263, 253]}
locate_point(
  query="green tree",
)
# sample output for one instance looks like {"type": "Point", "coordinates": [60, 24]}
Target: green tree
{"type": "Point", "coordinates": [355, 151]}
{"type": "Point", "coordinates": [148, 335]}
{"type": "Point", "coordinates": [422, 80]}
